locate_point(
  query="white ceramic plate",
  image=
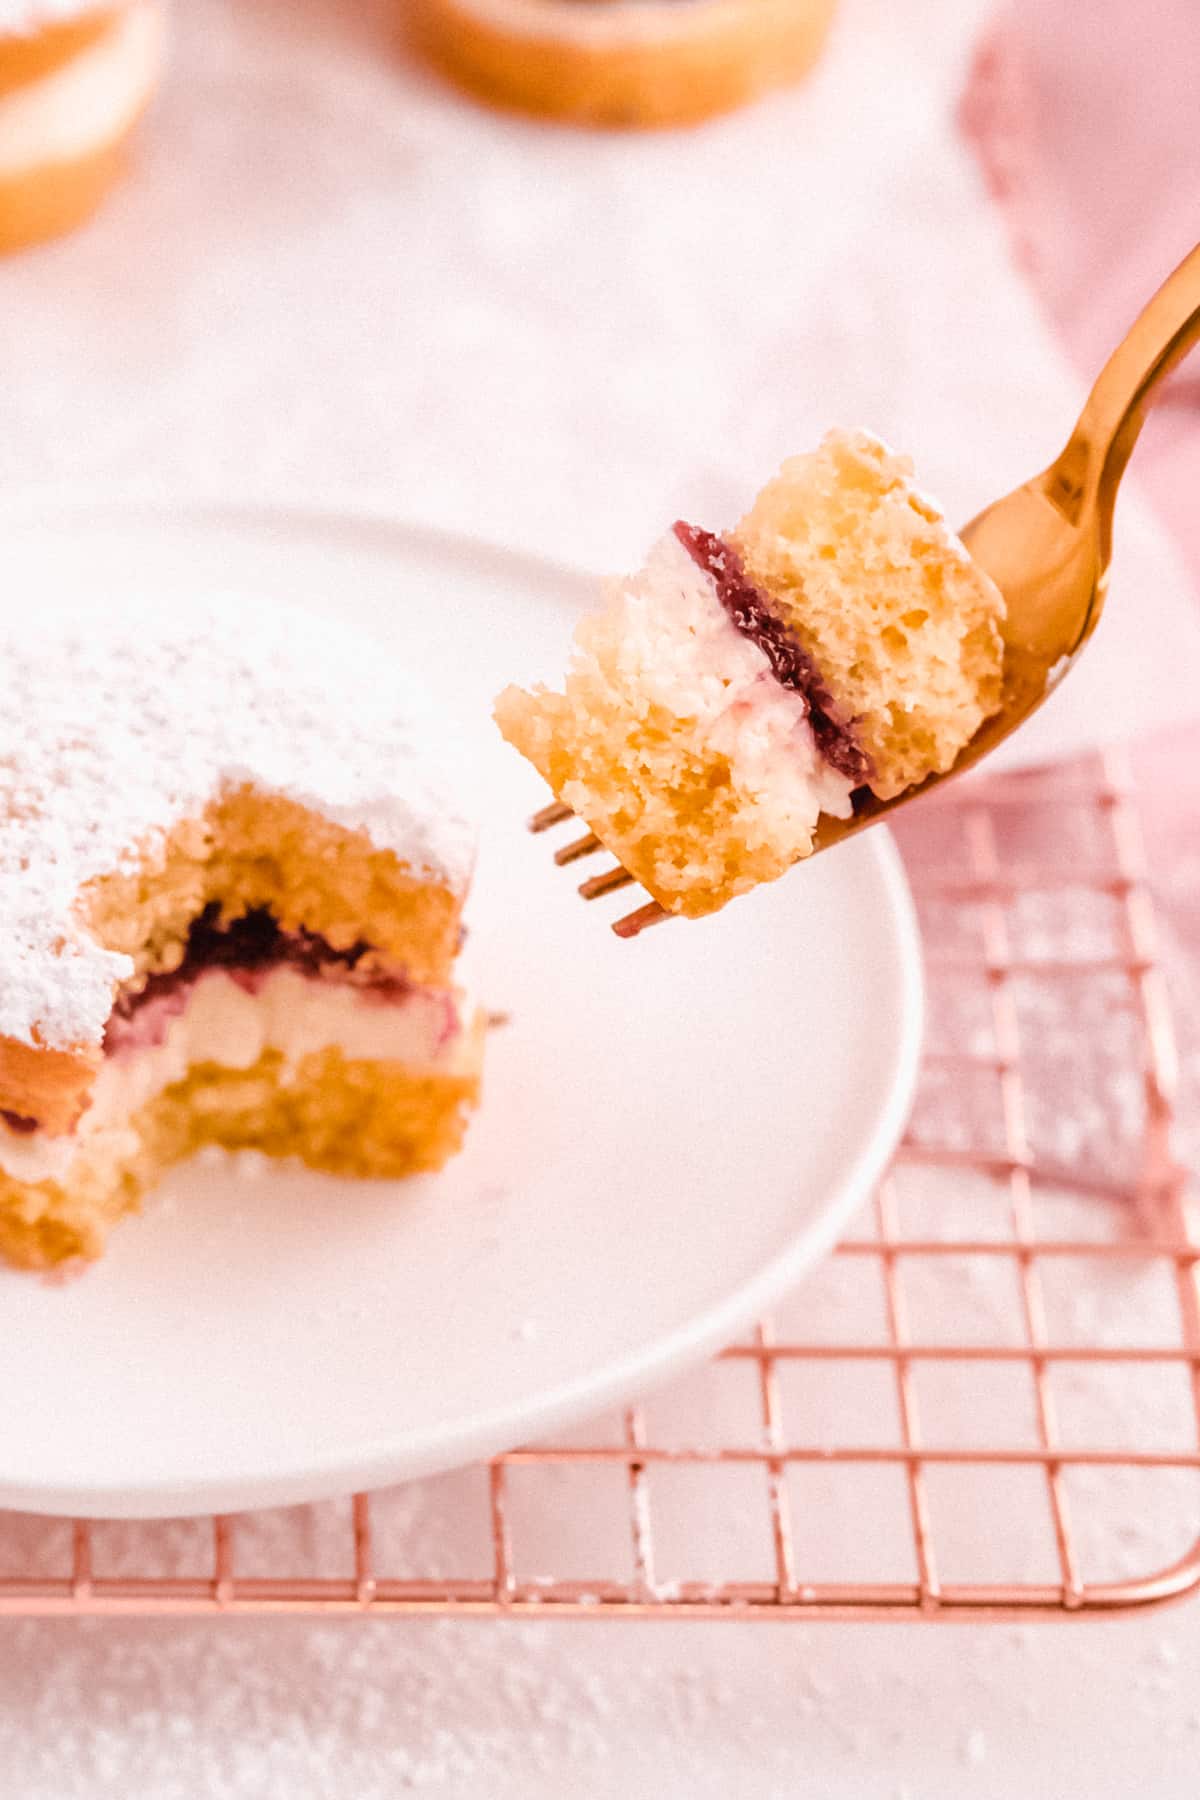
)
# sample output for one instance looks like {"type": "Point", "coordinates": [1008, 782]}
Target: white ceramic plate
{"type": "Point", "coordinates": [673, 1130]}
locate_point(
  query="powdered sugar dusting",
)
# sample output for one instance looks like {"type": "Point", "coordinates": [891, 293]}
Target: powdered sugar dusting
{"type": "Point", "coordinates": [119, 720]}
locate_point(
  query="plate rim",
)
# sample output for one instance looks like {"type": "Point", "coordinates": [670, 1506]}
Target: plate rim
{"type": "Point", "coordinates": [639, 1371]}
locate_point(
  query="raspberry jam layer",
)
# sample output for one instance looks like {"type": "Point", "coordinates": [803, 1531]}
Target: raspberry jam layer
{"type": "Point", "coordinates": [247, 949]}
{"type": "Point", "coordinates": [749, 610]}
{"type": "Point", "coordinates": [247, 988]}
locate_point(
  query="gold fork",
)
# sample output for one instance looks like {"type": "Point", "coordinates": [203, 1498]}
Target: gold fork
{"type": "Point", "coordinates": [1047, 546]}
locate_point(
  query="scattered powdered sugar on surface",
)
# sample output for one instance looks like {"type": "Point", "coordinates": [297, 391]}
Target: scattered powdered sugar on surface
{"type": "Point", "coordinates": [974, 1750]}
{"type": "Point", "coordinates": [368, 1710]}
{"type": "Point", "coordinates": [122, 718]}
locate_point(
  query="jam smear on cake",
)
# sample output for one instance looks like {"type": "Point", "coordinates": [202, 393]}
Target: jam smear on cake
{"type": "Point", "coordinates": [247, 948]}
{"type": "Point", "coordinates": [749, 611]}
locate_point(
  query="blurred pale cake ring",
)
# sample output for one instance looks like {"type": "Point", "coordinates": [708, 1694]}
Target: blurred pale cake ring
{"type": "Point", "coordinates": [622, 62]}
{"type": "Point", "coordinates": [739, 686]}
{"type": "Point", "coordinates": [74, 80]}
{"type": "Point", "coordinates": [231, 880]}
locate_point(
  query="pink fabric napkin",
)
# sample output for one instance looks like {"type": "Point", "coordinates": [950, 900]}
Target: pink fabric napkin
{"type": "Point", "coordinates": [1085, 118]}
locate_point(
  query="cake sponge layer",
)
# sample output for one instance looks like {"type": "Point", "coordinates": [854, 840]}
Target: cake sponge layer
{"type": "Point", "coordinates": [904, 627]}
{"type": "Point", "coordinates": [156, 757]}
{"type": "Point", "coordinates": [247, 850]}
{"type": "Point", "coordinates": [348, 1117]}
{"type": "Point", "coordinates": [676, 744]}
{"type": "Point", "coordinates": [251, 849]}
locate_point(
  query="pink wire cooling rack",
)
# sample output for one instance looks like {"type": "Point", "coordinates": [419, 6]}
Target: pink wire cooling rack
{"type": "Point", "coordinates": [986, 1403]}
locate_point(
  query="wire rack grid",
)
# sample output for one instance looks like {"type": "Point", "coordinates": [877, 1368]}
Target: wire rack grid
{"type": "Point", "coordinates": [987, 1403]}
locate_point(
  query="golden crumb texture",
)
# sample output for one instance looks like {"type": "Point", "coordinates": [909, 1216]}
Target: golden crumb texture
{"type": "Point", "coordinates": [904, 627]}
{"type": "Point", "coordinates": [251, 848]}
{"type": "Point", "coordinates": [248, 849]}
{"type": "Point", "coordinates": [646, 782]}
{"type": "Point", "coordinates": [347, 1117]}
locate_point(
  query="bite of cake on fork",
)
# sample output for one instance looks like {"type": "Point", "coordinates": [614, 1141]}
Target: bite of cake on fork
{"type": "Point", "coordinates": [748, 700]}
{"type": "Point", "coordinates": [741, 687]}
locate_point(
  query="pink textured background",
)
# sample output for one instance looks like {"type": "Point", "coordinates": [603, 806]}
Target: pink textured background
{"type": "Point", "coordinates": [1085, 118]}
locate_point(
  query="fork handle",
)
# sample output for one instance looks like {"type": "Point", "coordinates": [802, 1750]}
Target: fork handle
{"type": "Point", "coordinates": [1101, 444]}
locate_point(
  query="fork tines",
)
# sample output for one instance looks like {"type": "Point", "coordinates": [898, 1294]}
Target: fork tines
{"type": "Point", "coordinates": [607, 882]}
{"type": "Point", "coordinates": [554, 814]}
{"type": "Point", "coordinates": [583, 846]}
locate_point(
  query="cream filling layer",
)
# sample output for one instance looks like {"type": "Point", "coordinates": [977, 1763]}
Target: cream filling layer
{"type": "Point", "coordinates": [89, 101]}
{"type": "Point", "coordinates": [689, 658]}
{"type": "Point", "coordinates": [224, 1024]}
